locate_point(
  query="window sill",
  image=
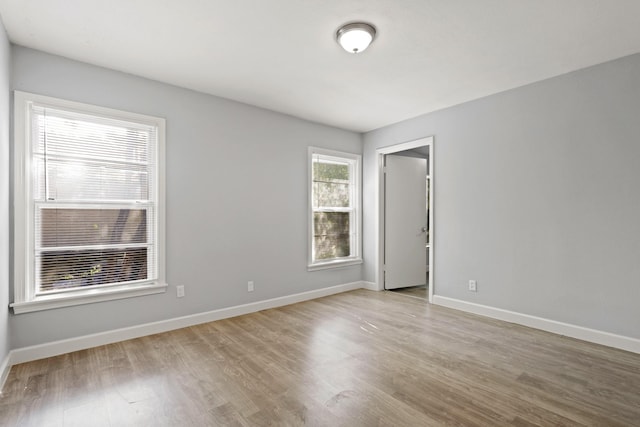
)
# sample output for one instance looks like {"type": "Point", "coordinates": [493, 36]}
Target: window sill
{"type": "Point", "coordinates": [86, 297]}
{"type": "Point", "coordinates": [334, 264]}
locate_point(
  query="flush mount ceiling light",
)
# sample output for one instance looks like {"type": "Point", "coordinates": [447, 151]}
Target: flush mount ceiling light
{"type": "Point", "coordinates": [355, 37]}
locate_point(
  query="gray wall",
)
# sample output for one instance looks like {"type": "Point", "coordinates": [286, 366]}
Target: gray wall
{"type": "Point", "coordinates": [536, 197]}
{"type": "Point", "coordinates": [4, 191]}
{"type": "Point", "coordinates": [236, 198]}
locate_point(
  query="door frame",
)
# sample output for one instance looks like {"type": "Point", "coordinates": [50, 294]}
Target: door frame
{"type": "Point", "coordinates": [380, 218]}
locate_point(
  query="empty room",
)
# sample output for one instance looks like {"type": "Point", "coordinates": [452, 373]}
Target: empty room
{"type": "Point", "coordinates": [323, 213]}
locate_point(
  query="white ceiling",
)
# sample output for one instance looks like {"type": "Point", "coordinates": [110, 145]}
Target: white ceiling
{"type": "Point", "coordinates": [282, 55]}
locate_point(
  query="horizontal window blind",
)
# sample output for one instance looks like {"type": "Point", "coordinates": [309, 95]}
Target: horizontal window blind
{"type": "Point", "coordinates": [94, 200]}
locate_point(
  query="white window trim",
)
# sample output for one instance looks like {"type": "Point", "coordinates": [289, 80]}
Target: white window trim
{"type": "Point", "coordinates": [357, 179]}
{"type": "Point", "coordinates": [24, 294]}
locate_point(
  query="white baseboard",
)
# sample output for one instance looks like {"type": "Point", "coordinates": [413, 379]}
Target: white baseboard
{"type": "Point", "coordinates": [5, 367]}
{"type": "Point", "coordinates": [566, 329]}
{"type": "Point", "coordinates": [370, 286]}
{"type": "Point", "coordinates": [27, 354]}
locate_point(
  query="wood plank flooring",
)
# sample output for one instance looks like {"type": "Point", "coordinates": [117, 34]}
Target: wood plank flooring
{"type": "Point", "coordinates": [360, 358]}
{"type": "Point", "coordinates": [421, 292]}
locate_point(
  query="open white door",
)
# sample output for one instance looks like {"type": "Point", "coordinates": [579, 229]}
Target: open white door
{"type": "Point", "coordinates": [405, 222]}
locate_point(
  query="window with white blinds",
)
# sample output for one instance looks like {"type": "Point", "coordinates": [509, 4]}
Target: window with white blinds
{"type": "Point", "coordinates": [334, 224]}
{"type": "Point", "coordinates": [91, 199]}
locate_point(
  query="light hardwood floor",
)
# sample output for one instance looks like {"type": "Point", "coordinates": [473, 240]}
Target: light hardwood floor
{"type": "Point", "coordinates": [413, 291]}
{"type": "Point", "coordinates": [356, 359]}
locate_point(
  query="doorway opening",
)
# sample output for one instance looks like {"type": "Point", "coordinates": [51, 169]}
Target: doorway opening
{"type": "Point", "coordinates": [405, 218]}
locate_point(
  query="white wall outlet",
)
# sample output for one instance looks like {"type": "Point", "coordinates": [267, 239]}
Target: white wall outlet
{"type": "Point", "coordinates": [180, 291]}
{"type": "Point", "coordinates": [250, 286]}
{"type": "Point", "coordinates": [473, 286]}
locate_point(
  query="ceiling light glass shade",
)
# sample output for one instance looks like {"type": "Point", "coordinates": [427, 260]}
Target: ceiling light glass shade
{"type": "Point", "coordinates": [356, 37]}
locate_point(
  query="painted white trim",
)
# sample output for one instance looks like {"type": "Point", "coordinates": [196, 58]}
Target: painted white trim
{"type": "Point", "coordinates": [27, 354]}
{"type": "Point", "coordinates": [371, 286]}
{"type": "Point", "coordinates": [5, 367]}
{"type": "Point", "coordinates": [432, 212]}
{"type": "Point", "coordinates": [336, 263]}
{"type": "Point", "coordinates": [379, 219]}
{"type": "Point", "coordinates": [403, 146]}
{"type": "Point", "coordinates": [106, 294]}
{"type": "Point", "coordinates": [586, 334]}
{"type": "Point", "coordinates": [21, 196]}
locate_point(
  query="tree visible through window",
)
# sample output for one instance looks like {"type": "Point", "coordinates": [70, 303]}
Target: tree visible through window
{"type": "Point", "coordinates": [334, 203]}
{"type": "Point", "coordinates": [91, 228]}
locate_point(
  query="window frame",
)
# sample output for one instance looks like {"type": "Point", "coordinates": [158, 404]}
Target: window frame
{"type": "Point", "coordinates": [24, 227]}
{"type": "Point", "coordinates": [355, 226]}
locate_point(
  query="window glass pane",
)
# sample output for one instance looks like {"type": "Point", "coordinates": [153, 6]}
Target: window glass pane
{"type": "Point", "coordinates": [86, 180]}
{"type": "Point", "coordinates": [332, 237]}
{"type": "Point", "coordinates": [74, 269]}
{"type": "Point", "coordinates": [84, 227]}
{"type": "Point", "coordinates": [331, 186]}
{"type": "Point", "coordinates": [330, 171]}
{"type": "Point", "coordinates": [331, 195]}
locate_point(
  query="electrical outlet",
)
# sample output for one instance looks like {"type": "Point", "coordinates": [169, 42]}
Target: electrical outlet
{"type": "Point", "coordinates": [250, 286]}
{"type": "Point", "coordinates": [473, 286]}
{"type": "Point", "coordinates": [180, 291]}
